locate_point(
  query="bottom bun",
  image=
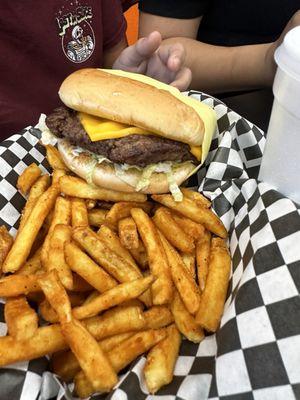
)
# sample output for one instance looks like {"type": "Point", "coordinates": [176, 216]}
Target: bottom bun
{"type": "Point", "coordinates": [104, 174]}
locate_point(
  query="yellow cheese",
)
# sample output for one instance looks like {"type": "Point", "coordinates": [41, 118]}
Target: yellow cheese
{"type": "Point", "coordinates": [100, 128]}
{"type": "Point", "coordinates": [196, 151]}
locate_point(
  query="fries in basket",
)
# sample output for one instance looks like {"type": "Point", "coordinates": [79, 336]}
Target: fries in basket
{"type": "Point", "coordinates": [110, 284]}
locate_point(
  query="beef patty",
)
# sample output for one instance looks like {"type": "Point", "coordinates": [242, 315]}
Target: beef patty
{"type": "Point", "coordinates": [140, 150]}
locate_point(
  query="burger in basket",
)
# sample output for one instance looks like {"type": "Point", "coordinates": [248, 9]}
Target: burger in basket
{"type": "Point", "coordinates": [127, 132]}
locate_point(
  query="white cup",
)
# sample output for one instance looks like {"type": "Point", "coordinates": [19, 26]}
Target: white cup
{"type": "Point", "coordinates": [280, 165]}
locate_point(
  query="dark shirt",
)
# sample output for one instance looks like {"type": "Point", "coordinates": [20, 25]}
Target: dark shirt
{"type": "Point", "coordinates": [229, 22]}
{"type": "Point", "coordinates": [41, 42]}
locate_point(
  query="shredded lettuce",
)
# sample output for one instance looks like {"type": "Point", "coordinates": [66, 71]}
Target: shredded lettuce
{"type": "Point", "coordinates": [145, 178]}
{"type": "Point", "coordinates": [174, 188]}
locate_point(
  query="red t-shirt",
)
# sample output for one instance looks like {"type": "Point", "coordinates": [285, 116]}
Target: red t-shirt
{"type": "Point", "coordinates": [41, 42]}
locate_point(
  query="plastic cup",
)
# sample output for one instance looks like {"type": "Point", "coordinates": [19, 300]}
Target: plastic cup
{"type": "Point", "coordinates": [280, 165]}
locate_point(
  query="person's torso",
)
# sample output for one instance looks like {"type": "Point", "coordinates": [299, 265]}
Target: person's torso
{"type": "Point", "coordinates": [239, 22]}
{"type": "Point", "coordinates": [41, 42]}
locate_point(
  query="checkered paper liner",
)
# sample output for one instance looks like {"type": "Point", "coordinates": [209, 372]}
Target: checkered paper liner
{"type": "Point", "coordinates": [256, 352]}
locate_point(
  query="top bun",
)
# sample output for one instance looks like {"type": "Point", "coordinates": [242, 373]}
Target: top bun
{"type": "Point", "coordinates": [132, 102]}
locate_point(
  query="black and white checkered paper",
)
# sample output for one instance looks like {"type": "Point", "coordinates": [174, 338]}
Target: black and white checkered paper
{"type": "Point", "coordinates": [256, 352]}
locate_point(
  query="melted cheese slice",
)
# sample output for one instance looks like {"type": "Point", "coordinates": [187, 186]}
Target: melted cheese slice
{"type": "Point", "coordinates": [100, 129]}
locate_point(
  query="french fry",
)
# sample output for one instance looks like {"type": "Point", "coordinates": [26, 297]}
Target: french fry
{"type": "Point", "coordinates": [214, 294]}
{"type": "Point", "coordinates": [197, 197]}
{"type": "Point", "coordinates": [112, 241]}
{"type": "Point", "coordinates": [184, 321]}
{"type": "Point", "coordinates": [115, 321]}
{"type": "Point", "coordinates": [90, 204]}
{"type": "Point", "coordinates": [182, 278]}
{"type": "Point", "coordinates": [61, 235]}
{"type": "Point", "coordinates": [47, 340]}
{"type": "Point", "coordinates": [57, 174]}
{"type": "Point", "coordinates": [190, 227]}
{"type": "Point", "coordinates": [65, 364]}
{"type": "Point", "coordinates": [61, 215]}
{"type": "Point", "coordinates": [79, 213]}
{"type": "Point", "coordinates": [93, 361]}
{"type": "Point", "coordinates": [128, 233]}
{"type": "Point", "coordinates": [140, 255]}
{"type": "Point", "coordinates": [122, 355]}
{"type": "Point", "coordinates": [122, 210]}
{"type": "Point", "coordinates": [197, 214]}
{"type": "Point", "coordinates": [158, 317]}
{"type": "Point", "coordinates": [96, 217]}
{"type": "Point", "coordinates": [91, 296]}
{"type": "Point", "coordinates": [161, 360]}
{"type": "Point", "coordinates": [112, 297]}
{"type": "Point", "coordinates": [54, 158]}
{"type": "Point", "coordinates": [47, 312]}
{"type": "Point", "coordinates": [172, 231]}
{"type": "Point", "coordinates": [162, 288]}
{"type": "Point", "coordinates": [114, 264]}
{"type": "Point", "coordinates": [16, 285]}
{"type": "Point", "coordinates": [80, 285]}
{"type": "Point", "coordinates": [32, 265]}
{"type": "Point", "coordinates": [77, 187]}
{"type": "Point", "coordinates": [189, 260]}
{"type": "Point", "coordinates": [40, 186]}
{"type": "Point", "coordinates": [6, 241]}
{"type": "Point", "coordinates": [84, 266]}
{"type": "Point", "coordinates": [56, 295]}
{"type": "Point", "coordinates": [21, 319]}
{"type": "Point", "coordinates": [22, 245]}
{"type": "Point", "coordinates": [202, 257]}
{"type": "Point", "coordinates": [28, 177]}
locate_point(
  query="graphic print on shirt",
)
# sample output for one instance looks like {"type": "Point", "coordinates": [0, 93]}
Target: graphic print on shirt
{"type": "Point", "coordinates": [75, 31]}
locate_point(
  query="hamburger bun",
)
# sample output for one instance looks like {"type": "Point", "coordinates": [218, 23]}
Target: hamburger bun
{"type": "Point", "coordinates": [132, 102]}
{"type": "Point", "coordinates": [104, 175]}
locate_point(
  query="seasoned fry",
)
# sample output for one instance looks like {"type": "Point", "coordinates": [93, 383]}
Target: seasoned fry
{"type": "Point", "coordinates": [162, 288]}
{"type": "Point", "coordinates": [214, 294]}
{"type": "Point", "coordinates": [57, 174]}
{"type": "Point", "coordinates": [114, 264]}
{"type": "Point", "coordinates": [90, 356]}
{"type": "Point", "coordinates": [202, 256]}
{"type": "Point", "coordinates": [140, 255]}
{"type": "Point", "coordinates": [112, 241]}
{"type": "Point", "coordinates": [61, 215]}
{"type": "Point", "coordinates": [115, 321]}
{"type": "Point", "coordinates": [61, 235]}
{"type": "Point", "coordinates": [15, 285]}
{"type": "Point", "coordinates": [77, 187]}
{"type": "Point", "coordinates": [161, 360]}
{"type": "Point", "coordinates": [6, 241]}
{"type": "Point", "coordinates": [84, 266]}
{"type": "Point", "coordinates": [172, 231]}
{"type": "Point", "coordinates": [158, 317]}
{"type": "Point", "coordinates": [113, 297]}
{"type": "Point", "coordinates": [122, 210]}
{"type": "Point", "coordinates": [21, 319]}
{"type": "Point", "coordinates": [54, 158]}
{"type": "Point", "coordinates": [79, 213]}
{"type": "Point", "coordinates": [40, 186]}
{"type": "Point", "coordinates": [182, 278]}
{"type": "Point", "coordinates": [32, 265]}
{"type": "Point", "coordinates": [122, 355]}
{"type": "Point", "coordinates": [184, 321]}
{"type": "Point", "coordinates": [80, 285]}
{"type": "Point", "coordinates": [47, 340]}
{"type": "Point", "coordinates": [56, 295]}
{"type": "Point", "coordinates": [47, 312]}
{"type": "Point", "coordinates": [197, 197]}
{"type": "Point", "coordinates": [189, 260]}
{"type": "Point", "coordinates": [198, 214]}
{"type": "Point", "coordinates": [128, 233]}
{"type": "Point", "coordinates": [28, 177]}
{"type": "Point", "coordinates": [96, 217]}
{"type": "Point", "coordinates": [24, 241]}
{"type": "Point", "coordinates": [190, 227]}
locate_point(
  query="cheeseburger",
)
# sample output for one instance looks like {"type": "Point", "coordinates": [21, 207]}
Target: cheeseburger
{"type": "Point", "coordinates": [128, 132]}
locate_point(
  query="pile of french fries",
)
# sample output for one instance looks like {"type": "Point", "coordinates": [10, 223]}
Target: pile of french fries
{"type": "Point", "coordinates": [111, 283]}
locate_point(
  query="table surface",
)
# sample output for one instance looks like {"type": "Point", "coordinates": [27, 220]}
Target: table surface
{"type": "Point", "coordinates": [255, 106]}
